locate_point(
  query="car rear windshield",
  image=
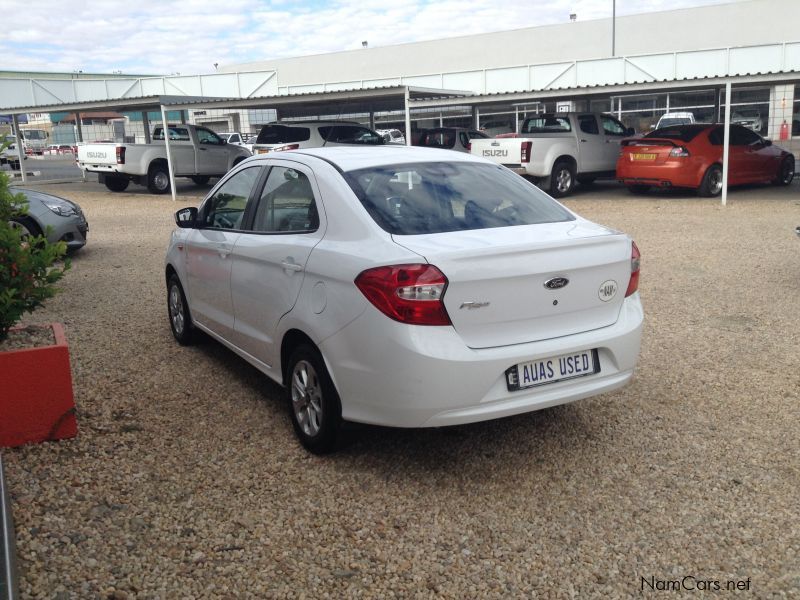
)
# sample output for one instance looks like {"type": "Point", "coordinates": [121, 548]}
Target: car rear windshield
{"type": "Point", "coordinates": [282, 134]}
{"type": "Point", "coordinates": [350, 134]}
{"type": "Point", "coordinates": [546, 124]}
{"type": "Point", "coordinates": [684, 133]}
{"type": "Point", "coordinates": [436, 197]}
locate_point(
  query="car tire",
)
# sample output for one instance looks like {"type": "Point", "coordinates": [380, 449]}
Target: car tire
{"type": "Point", "coordinates": [786, 171]}
{"type": "Point", "coordinates": [27, 226]}
{"type": "Point", "coordinates": [314, 404]}
{"type": "Point", "coordinates": [562, 179]}
{"type": "Point", "coordinates": [117, 184]}
{"type": "Point", "coordinates": [638, 190]}
{"type": "Point", "coordinates": [711, 185]}
{"type": "Point", "coordinates": [158, 179]}
{"type": "Point", "coordinates": [180, 318]}
{"type": "Point", "coordinates": [201, 179]}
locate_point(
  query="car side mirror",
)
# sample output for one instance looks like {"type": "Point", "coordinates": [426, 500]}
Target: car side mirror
{"type": "Point", "coordinates": [767, 142]}
{"type": "Point", "coordinates": [186, 218]}
{"type": "Point", "coordinates": [630, 131]}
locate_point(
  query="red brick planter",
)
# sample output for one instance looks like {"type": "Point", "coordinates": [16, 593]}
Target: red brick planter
{"type": "Point", "coordinates": [36, 401]}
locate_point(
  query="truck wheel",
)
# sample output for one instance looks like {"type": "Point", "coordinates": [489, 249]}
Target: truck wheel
{"type": "Point", "coordinates": [562, 181]}
{"type": "Point", "coordinates": [117, 184]}
{"type": "Point", "coordinates": [158, 179]}
{"type": "Point", "coordinates": [201, 179]}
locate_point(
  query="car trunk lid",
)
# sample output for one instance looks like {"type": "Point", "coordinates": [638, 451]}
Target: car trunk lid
{"type": "Point", "coordinates": [513, 285]}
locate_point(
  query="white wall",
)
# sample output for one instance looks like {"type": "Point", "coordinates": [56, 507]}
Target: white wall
{"type": "Point", "coordinates": [742, 23]}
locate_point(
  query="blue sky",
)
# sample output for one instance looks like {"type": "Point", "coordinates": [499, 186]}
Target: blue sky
{"type": "Point", "coordinates": [189, 36]}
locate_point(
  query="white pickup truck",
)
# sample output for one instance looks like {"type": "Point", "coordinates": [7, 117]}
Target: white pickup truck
{"type": "Point", "coordinates": [558, 150]}
{"type": "Point", "coordinates": [197, 153]}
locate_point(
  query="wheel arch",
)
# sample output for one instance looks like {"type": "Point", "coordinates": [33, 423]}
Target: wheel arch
{"type": "Point", "coordinates": [158, 162]}
{"type": "Point", "coordinates": [289, 343]}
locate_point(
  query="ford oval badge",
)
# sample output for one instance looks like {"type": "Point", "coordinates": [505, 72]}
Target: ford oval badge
{"type": "Point", "coordinates": [556, 283]}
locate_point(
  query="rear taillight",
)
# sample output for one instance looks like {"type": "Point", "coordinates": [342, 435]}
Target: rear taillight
{"type": "Point", "coordinates": [286, 147]}
{"type": "Point", "coordinates": [410, 294]}
{"type": "Point", "coordinates": [526, 152]}
{"type": "Point", "coordinates": [679, 152]}
{"type": "Point", "coordinates": [636, 258]}
{"type": "Point", "coordinates": [469, 146]}
{"type": "Point", "coordinates": [120, 155]}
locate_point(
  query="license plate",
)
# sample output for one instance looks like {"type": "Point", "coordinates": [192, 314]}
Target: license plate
{"type": "Point", "coordinates": [549, 370]}
{"type": "Point", "coordinates": [643, 156]}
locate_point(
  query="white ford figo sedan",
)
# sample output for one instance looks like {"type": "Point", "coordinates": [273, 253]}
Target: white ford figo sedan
{"type": "Point", "coordinates": [398, 286]}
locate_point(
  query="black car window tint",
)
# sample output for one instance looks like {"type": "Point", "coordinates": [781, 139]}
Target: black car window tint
{"type": "Point", "coordinates": [588, 124]}
{"type": "Point", "coordinates": [282, 134]}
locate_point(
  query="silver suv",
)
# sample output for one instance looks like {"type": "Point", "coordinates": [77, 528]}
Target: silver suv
{"type": "Point", "coordinates": [277, 137]}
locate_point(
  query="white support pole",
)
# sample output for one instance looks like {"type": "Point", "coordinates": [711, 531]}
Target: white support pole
{"type": "Point", "coordinates": [726, 143]}
{"type": "Point", "coordinates": [169, 154]}
{"type": "Point", "coordinates": [20, 151]}
{"type": "Point", "coordinates": [408, 118]}
{"type": "Point", "coordinates": [516, 119]}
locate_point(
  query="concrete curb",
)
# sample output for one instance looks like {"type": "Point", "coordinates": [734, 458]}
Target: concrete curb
{"type": "Point", "coordinates": [9, 590]}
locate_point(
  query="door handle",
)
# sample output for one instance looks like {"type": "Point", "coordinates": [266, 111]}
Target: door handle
{"type": "Point", "coordinates": [288, 265]}
{"type": "Point", "coordinates": [223, 251]}
{"type": "Point", "coordinates": [583, 140]}
{"type": "Point", "coordinates": [204, 149]}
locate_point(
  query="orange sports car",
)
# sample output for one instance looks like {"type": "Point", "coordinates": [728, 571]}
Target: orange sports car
{"type": "Point", "coordinates": [690, 156]}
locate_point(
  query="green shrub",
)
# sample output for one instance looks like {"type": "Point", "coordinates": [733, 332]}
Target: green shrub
{"type": "Point", "coordinates": [29, 267]}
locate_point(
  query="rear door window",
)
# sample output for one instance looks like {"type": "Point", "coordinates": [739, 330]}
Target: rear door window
{"type": "Point", "coordinates": [287, 203]}
{"type": "Point", "coordinates": [588, 124]}
{"type": "Point", "coordinates": [438, 138]}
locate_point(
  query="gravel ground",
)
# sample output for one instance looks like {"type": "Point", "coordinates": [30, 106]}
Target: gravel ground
{"type": "Point", "coordinates": [186, 480]}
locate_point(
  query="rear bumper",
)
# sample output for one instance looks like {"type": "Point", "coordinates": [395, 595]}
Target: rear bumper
{"type": "Point", "coordinates": [673, 173]}
{"type": "Point", "coordinates": [409, 376]}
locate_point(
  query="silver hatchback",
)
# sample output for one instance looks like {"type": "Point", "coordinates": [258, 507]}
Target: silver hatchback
{"type": "Point", "coordinates": [64, 218]}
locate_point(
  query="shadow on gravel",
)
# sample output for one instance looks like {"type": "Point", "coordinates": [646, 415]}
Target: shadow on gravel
{"type": "Point", "coordinates": [473, 450]}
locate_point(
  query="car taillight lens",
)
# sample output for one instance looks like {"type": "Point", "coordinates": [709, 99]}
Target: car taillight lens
{"type": "Point", "coordinates": [120, 155]}
{"type": "Point", "coordinates": [469, 146]}
{"type": "Point", "coordinates": [636, 259]}
{"type": "Point", "coordinates": [286, 147]}
{"type": "Point", "coordinates": [679, 152]}
{"type": "Point", "coordinates": [410, 294]}
{"type": "Point", "coordinates": [526, 152]}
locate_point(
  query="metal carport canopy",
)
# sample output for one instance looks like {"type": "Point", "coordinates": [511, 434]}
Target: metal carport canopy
{"type": "Point", "coordinates": [329, 102]}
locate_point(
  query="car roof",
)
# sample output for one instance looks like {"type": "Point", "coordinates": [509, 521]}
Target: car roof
{"type": "Point", "coordinates": [349, 158]}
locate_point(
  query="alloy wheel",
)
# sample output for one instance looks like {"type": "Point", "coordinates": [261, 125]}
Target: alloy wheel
{"type": "Point", "coordinates": [564, 180]}
{"type": "Point", "coordinates": [176, 311]}
{"type": "Point", "coordinates": [307, 398]}
{"type": "Point", "coordinates": [715, 179]}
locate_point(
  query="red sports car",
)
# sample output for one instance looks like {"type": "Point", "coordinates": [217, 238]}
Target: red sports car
{"type": "Point", "coordinates": [690, 156]}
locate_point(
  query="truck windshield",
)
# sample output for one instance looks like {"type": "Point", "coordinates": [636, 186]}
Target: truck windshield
{"type": "Point", "coordinates": [436, 197]}
{"type": "Point", "coordinates": [546, 124]}
{"type": "Point", "coordinates": [34, 134]}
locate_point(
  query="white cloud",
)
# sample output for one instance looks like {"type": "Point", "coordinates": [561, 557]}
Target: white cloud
{"type": "Point", "coordinates": [189, 36]}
